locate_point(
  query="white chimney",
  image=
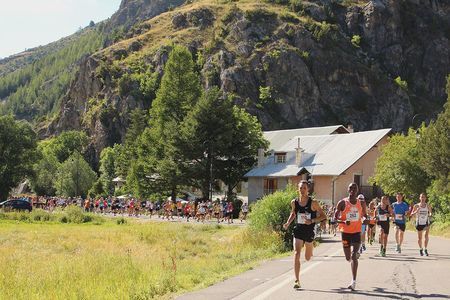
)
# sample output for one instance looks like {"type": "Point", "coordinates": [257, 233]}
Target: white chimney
{"type": "Point", "coordinates": [350, 128]}
{"type": "Point", "coordinates": [298, 153]}
{"type": "Point", "coordinates": [260, 157]}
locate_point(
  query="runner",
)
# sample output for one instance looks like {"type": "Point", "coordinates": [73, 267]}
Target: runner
{"type": "Point", "coordinates": [372, 221]}
{"type": "Point", "coordinates": [423, 211]}
{"type": "Point", "coordinates": [244, 211]}
{"type": "Point", "coordinates": [401, 211]}
{"type": "Point", "coordinates": [307, 213]}
{"type": "Point", "coordinates": [384, 211]}
{"type": "Point", "coordinates": [331, 221]}
{"type": "Point", "coordinates": [349, 213]}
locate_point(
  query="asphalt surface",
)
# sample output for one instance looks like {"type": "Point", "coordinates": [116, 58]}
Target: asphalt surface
{"type": "Point", "coordinates": [396, 276]}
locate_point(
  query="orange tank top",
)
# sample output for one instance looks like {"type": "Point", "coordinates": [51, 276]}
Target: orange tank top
{"type": "Point", "coordinates": [352, 213]}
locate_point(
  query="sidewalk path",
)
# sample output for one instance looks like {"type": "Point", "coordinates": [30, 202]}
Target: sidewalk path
{"type": "Point", "coordinates": [396, 276]}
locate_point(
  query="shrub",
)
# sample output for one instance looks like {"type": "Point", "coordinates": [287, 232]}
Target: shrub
{"type": "Point", "coordinates": [401, 83]}
{"type": "Point", "coordinates": [121, 221]}
{"type": "Point", "coordinates": [296, 5]}
{"type": "Point", "coordinates": [260, 15]}
{"type": "Point", "coordinates": [40, 215]}
{"type": "Point", "coordinates": [356, 40]}
{"type": "Point", "coordinates": [271, 212]}
{"type": "Point", "coordinates": [289, 17]}
{"type": "Point", "coordinates": [75, 214]}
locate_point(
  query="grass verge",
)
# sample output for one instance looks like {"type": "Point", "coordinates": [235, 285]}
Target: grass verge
{"type": "Point", "coordinates": [123, 260]}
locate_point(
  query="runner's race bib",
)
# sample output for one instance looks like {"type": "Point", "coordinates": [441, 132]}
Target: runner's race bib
{"type": "Point", "coordinates": [353, 216]}
{"type": "Point", "coordinates": [382, 217]}
{"type": "Point", "coordinates": [423, 218]}
{"type": "Point", "coordinates": [399, 217]}
{"type": "Point", "coordinates": [302, 217]}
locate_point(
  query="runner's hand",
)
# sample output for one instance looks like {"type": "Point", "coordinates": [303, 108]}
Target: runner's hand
{"type": "Point", "coordinates": [285, 226]}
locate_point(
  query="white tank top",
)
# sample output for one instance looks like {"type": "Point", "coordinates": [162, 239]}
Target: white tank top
{"type": "Point", "coordinates": [422, 215]}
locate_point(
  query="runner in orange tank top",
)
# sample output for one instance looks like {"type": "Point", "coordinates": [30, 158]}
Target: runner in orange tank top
{"type": "Point", "coordinates": [349, 214]}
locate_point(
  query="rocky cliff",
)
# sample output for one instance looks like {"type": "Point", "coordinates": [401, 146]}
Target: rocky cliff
{"type": "Point", "coordinates": [373, 63]}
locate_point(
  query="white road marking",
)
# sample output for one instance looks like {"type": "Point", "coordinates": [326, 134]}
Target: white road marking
{"type": "Point", "coordinates": [270, 291]}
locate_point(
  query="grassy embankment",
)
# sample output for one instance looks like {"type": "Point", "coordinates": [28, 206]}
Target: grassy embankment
{"type": "Point", "coordinates": [437, 228]}
{"type": "Point", "coordinates": [104, 259]}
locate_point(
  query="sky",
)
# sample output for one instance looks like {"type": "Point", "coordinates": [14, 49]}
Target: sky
{"type": "Point", "coordinates": [31, 23]}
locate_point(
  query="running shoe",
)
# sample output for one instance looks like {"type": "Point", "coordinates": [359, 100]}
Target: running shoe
{"type": "Point", "coordinates": [399, 249]}
{"type": "Point", "coordinates": [421, 252]}
{"type": "Point", "coordinates": [426, 252]}
{"type": "Point", "coordinates": [297, 284]}
{"type": "Point", "coordinates": [352, 285]}
{"type": "Point", "coordinates": [363, 247]}
{"type": "Point", "coordinates": [383, 253]}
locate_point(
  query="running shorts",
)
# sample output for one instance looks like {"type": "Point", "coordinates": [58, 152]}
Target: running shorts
{"type": "Point", "coordinates": [421, 227]}
{"type": "Point", "coordinates": [385, 226]}
{"type": "Point", "coordinates": [401, 226]}
{"type": "Point", "coordinates": [304, 235]}
{"type": "Point", "coordinates": [349, 239]}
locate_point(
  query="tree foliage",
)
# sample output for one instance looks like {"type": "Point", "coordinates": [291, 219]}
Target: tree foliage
{"type": "Point", "coordinates": [179, 92]}
{"type": "Point", "coordinates": [398, 168]}
{"type": "Point", "coordinates": [18, 152]}
{"type": "Point", "coordinates": [74, 177]}
{"type": "Point", "coordinates": [36, 90]}
{"type": "Point", "coordinates": [434, 147]}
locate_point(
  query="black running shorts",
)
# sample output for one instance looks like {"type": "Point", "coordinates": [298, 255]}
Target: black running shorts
{"type": "Point", "coordinates": [304, 235]}
{"type": "Point", "coordinates": [385, 226]}
{"type": "Point", "coordinates": [401, 226]}
{"type": "Point", "coordinates": [349, 239]}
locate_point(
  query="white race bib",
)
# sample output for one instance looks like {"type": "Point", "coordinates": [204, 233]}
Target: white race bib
{"type": "Point", "coordinates": [399, 217]}
{"type": "Point", "coordinates": [302, 217]}
{"type": "Point", "coordinates": [423, 218]}
{"type": "Point", "coordinates": [382, 217]}
{"type": "Point", "coordinates": [353, 216]}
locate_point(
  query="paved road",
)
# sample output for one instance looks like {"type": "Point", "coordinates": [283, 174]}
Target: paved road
{"type": "Point", "coordinates": [396, 276]}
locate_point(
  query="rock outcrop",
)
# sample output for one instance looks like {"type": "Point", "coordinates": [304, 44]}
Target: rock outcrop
{"type": "Point", "coordinates": [375, 65]}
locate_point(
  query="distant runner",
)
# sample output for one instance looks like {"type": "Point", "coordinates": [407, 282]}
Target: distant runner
{"type": "Point", "coordinates": [401, 211]}
{"type": "Point", "coordinates": [423, 211]}
{"type": "Point", "coordinates": [307, 213]}
{"type": "Point", "coordinates": [384, 211]}
{"type": "Point", "coordinates": [349, 213]}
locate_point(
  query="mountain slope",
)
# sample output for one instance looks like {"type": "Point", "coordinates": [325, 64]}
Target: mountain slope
{"type": "Point", "coordinates": [308, 63]}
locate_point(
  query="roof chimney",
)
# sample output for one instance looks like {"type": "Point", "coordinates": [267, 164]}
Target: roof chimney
{"type": "Point", "coordinates": [298, 153]}
{"type": "Point", "coordinates": [260, 157]}
{"type": "Point", "coordinates": [350, 128]}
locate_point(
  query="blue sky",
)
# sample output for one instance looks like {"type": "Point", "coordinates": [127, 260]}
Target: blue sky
{"type": "Point", "coordinates": [30, 23]}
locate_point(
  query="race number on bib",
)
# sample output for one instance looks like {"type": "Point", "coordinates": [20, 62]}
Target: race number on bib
{"type": "Point", "coordinates": [352, 216]}
{"type": "Point", "coordinates": [302, 217]}
{"type": "Point", "coordinates": [423, 218]}
{"type": "Point", "coordinates": [399, 217]}
{"type": "Point", "coordinates": [382, 217]}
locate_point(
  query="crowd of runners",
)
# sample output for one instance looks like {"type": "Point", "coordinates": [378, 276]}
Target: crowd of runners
{"type": "Point", "coordinates": [358, 223]}
{"type": "Point", "coordinates": [199, 210]}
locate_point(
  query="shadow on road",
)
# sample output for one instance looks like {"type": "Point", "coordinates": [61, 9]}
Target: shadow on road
{"type": "Point", "coordinates": [379, 292]}
{"type": "Point", "coordinates": [407, 258]}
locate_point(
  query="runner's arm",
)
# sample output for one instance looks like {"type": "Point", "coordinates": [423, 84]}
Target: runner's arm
{"type": "Point", "coordinates": [364, 212]}
{"type": "Point", "coordinates": [291, 216]}
{"type": "Point", "coordinates": [320, 216]}
{"type": "Point", "coordinates": [337, 213]}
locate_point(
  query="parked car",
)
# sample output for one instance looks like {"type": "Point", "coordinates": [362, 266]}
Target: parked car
{"type": "Point", "coordinates": [16, 204]}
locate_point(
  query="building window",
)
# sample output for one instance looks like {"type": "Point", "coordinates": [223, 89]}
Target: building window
{"type": "Point", "coordinates": [270, 186]}
{"type": "Point", "coordinates": [357, 179]}
{"type": "Point", "coordinates": [280, 158]}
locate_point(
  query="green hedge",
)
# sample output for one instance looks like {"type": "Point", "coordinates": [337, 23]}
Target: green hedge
{"type": "Point", "coordinates": [271, 212]}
